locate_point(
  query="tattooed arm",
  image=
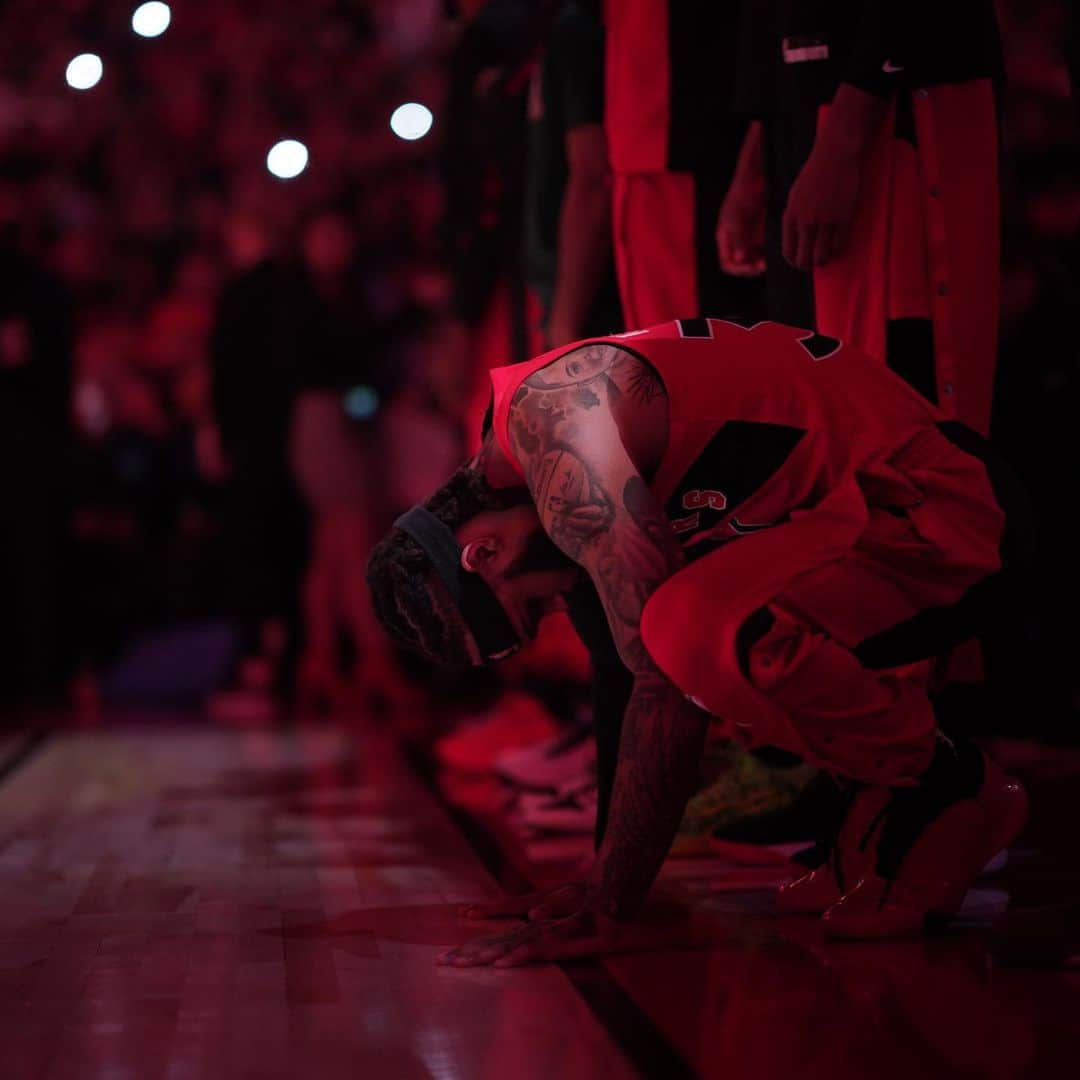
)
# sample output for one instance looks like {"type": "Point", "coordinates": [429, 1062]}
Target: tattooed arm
{"type": "Point", "coordinates": [596, 506]}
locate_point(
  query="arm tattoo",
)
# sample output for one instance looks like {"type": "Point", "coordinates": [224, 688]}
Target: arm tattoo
{"type": "Point", "coordinates": [598, 509]}
{"type": "Point", "coordinates": [571, 499]}
{"type": "Point", "coordinates": [643, 384]}
{"type": "Point", "coordinates": [658, 769]}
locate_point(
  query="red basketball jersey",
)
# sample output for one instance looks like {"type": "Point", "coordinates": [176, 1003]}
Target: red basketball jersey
{"type": "Point", "coordinates": [764, 420]}
{"type": "Point", "coordinates": [820, 458]}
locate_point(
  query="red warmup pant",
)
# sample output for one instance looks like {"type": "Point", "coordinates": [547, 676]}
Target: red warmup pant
{"type": "Point", "coordinates": [666, 262]}
{"type": "Point", "coordinates": [654, 219]}
{"type": "Point", "coordinates": [770, 633]}
{"type": "Point", "coordinates": [925, 244]}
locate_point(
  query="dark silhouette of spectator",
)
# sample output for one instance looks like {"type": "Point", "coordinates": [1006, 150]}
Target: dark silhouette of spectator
{"type": "Point", "coordinates": [877, 136]}
{"type": "Point", "coordinates": [254, 380]}
{"type": "Point", "coordinates": [336, 345]}
{"type": "Point", "coordinates": [569, 255]}
{"type": "Point", "coordinates": [35, 382]}
{"type": "Point", "coordinates": [673, 140]}
{"type": "Point", "coordinates": [483, 173]}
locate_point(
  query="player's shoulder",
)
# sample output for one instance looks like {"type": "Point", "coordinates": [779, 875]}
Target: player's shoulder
{"type": "Point", "coordinates": [585, 373]}
{"type": "Point", "coordinates": [576, 366]}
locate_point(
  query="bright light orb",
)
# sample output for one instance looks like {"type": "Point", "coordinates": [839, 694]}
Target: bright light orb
{"type": "Point", "coordinates": [152, 19]}
{"type": "Point", "coordinates": [84, 71]}
{"type": "Point", "coordinates": [411, 121]}
{"type": "Point", "coordinates": [287, 159]}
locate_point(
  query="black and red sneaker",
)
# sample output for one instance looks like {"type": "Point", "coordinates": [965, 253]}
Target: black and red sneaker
{"type": "Point", "coordinates": [935, 838]}
{"type": "Point", "coordinates": [842, 860]}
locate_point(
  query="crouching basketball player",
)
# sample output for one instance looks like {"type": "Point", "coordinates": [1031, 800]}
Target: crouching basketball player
{"type": "Point", "coordinates": [783, 535]}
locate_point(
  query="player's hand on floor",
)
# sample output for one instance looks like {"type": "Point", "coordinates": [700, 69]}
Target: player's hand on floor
{"type": "Point", "coordinates": [581, 934]}
{"type": "Point", "coordinates": [549, 904]}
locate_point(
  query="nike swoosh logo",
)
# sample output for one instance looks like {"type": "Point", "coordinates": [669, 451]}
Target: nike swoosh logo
{"type": "Point", "coordinates": [890, 68]}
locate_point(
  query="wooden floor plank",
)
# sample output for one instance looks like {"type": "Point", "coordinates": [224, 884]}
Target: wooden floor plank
{"type": "Point", "coordinates": [194, 903]}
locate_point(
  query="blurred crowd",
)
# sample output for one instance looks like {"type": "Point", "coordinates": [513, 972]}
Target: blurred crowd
{"type": "Point", "coordinates": [237, 380]}
{"type": "Point", "coordinates": [167, 303]}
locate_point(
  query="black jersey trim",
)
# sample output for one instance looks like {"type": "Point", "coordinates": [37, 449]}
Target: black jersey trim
{"type": "Point", "coordinates": [738, 461]}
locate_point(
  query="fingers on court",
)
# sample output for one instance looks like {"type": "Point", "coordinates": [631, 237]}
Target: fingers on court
{"type": "Point", "coordinates": [469, 956]}
{"type": "Point", "coordinates": [547, 950]}
{"type": "Point", "coordinates": [541, 948]}
{"type": "Point", "coordinates": [497, 909]}
{"type": "Point", "coordinates": [557, 904]}
{"type": "Point", "coordinates": [523, 954]}
{"type": "Point", "coordinates": [482, 911]}
{"type": "Point", "coordinates": [551, 908]}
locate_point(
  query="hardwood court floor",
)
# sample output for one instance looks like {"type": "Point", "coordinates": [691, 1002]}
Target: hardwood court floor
{"type": "Point", "coordinates": [200, 904]}
{"type": "Point", "coordinates": [197, 903]}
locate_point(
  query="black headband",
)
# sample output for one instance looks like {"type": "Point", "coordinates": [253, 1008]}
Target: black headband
{"type": "Point", "coordinates": [480, 608]}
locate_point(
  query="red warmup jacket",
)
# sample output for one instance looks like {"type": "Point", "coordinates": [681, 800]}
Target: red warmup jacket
{"type": "Point", "coordinates": [790, 454]}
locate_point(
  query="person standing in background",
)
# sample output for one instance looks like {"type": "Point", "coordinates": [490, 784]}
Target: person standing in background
{"type": "Point", "coordinates": [253, 385]}
{"type": "Point", "coordinates": [568, 249]}
{"type": "Point", "coordinates": [482, 169]}
{"type": "Point", "coordinates": [674, 140]}
{"type": "Point", "coordinates": [869, 180]}
{"type": "Point", "coordinates": [333, 455]}
{"type": "Point", "coordinates": [35, 390]}
{"type": "Point", "coordinates": [868, 184]}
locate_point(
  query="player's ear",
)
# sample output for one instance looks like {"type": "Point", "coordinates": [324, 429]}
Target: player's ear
{"type": "Point", "coordinates": [479, 553]}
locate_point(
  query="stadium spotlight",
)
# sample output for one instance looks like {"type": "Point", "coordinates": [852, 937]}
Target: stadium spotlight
{"type": "Point", "coordinates": [411, 121]}
{"type": "Point", "coordinates": [151, 19]}
{"type": "Point", "coordinates": [287, 159]}
{"type": "Point", "coordinates": [84, 71]}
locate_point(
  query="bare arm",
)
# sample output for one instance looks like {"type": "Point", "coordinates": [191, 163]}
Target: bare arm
{"type": "Point", "coordinates": [825, 196]}
{"type": "Point", "coordinates": [740, 230]}
{"type": "Point", "coordinates": [584, 246]}
{"type": "Point", "coordinates": [596, 506]}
